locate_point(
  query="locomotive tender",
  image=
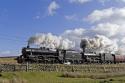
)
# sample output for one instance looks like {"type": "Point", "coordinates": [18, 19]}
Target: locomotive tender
{"type": "Point", "coordinates": [46, 55]}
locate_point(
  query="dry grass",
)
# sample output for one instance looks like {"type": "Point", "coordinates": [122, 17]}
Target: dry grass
{"type": "Point", "coordinates": [8, 61]}
{"type": "Point", "coordinates": [14, 80]}
{"type": "Point", "coordinates": [92, 75]}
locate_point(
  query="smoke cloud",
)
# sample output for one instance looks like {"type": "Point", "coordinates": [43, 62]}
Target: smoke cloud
{"type": "Point", "coordinates": [100, 43]}
{"type": "Point", "coordinates": [71, 39]}
{"type": "Point", "coordinates": [51, 41]}
{"type": "Point", "coordinates": [106, 35]}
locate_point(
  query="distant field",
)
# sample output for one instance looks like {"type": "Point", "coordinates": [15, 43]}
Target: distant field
{"type": "Point", "coordinates": [52, 77]}
{"type": "Point", "coordinates": [8, 60]}
{"type": "Point", "coordinates": [93, 73]}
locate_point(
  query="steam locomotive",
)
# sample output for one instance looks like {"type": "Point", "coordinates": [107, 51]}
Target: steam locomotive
{"type": "Point", "coordinates": [46, 55]}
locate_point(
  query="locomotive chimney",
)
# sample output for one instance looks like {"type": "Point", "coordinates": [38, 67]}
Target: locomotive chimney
{"type": "Point", "coordinates": [114, 58]}
{"type": "Point", "coordinates": [83, 45]}
{"type": "Point", "coordinates": [57, 52]}
{"type": "Point", "coordinates": [28, 45]}
{"type": "Point", "coordinates": [64, 57]}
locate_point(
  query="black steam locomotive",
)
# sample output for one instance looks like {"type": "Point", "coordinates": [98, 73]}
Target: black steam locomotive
{"type": "Point", "coordinates": [46, 55]}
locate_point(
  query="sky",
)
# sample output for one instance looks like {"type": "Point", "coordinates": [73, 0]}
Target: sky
{"type": "Point", "coordinates": [21, 19]}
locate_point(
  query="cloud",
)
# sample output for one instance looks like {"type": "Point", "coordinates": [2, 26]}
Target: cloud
{"type": "Point", "coordinates": [119, 0]}
{"type": "Point", "coordinates": [98, 15]}
{"type": "Point", "coordinates": [79, 1]}
{"type": "Point", "coordinates": [71, 17]}
{"type": "Point", "coordinates": [110, 15]}
{"type": "Point", "coordinates": [107, 33]}
{"type": "Point", "coordinates": [104, 1]}
{"type": "Point", "coordinates": [107, 29]}
{"type": "Point", "coordinates": [53, 6]}
{"type": "Point", "coordinates": [5, 52]}
{"type": "Point", "coordinates": [37, 17]}
{"type": "Point", "coordinates": [110, 23]}
{"type": "Point", "coordinates": [123, 40]}
{"type": "Point", "coordinates": [101, 1]}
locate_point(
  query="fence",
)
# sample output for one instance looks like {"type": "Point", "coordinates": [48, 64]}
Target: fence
{"type": "Point", "coordinates": [63, 68]}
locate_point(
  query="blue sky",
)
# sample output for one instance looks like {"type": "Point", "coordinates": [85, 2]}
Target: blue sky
{"type": "Point", "coordinates": [20, 19]}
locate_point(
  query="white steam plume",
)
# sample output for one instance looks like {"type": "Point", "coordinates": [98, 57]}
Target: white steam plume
{"type": "Point", "coordinates": [51, 41]}
{"type": "Point", "coordinates": [71, 39]}
{"type": "Point", "coordinates": [100, 44]}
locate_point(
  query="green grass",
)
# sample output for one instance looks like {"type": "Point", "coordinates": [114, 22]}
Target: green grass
{"type": "Point", "coordinates": [105, 73]}
{"type": "Point", "coordinates": [92, 75]}
{"type": "Point", "coordinates": [44, 77]}
{"type": "Point", "coordinates": [53, 77]}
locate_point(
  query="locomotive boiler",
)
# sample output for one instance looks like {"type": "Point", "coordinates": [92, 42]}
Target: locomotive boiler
{"type": "Point", "coordinates": [46, 55]}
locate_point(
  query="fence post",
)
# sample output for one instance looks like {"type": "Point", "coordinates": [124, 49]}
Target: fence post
{"type": "Point", "coordinates": [27, 66]}
{"type": "Point", "coordinates": [0, 68]}
{"type": "Point", "coordinates": [14, 67]}
{"type": "Point", "coordinates": [72, 68]}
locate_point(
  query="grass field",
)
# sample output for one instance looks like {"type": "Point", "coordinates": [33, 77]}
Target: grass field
{"type": "Point", "coordinates": [52, 77]}
{"type": "Point", "coordinates": [65, 77]}
{"type": "Point", "coordinates": [8, 61]}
